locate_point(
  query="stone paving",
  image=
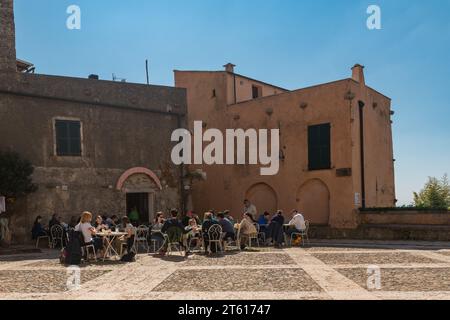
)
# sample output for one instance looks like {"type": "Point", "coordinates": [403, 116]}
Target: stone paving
{"type": "Point", "coordinates": [319, 272]}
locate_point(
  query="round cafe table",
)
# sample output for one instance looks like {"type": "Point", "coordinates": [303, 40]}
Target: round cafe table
{"type": "Point", "coordinates": [109, 237]}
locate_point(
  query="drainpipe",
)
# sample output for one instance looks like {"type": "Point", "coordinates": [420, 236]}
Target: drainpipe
{"type": "Point", "coordinates": [234, 83]}
{"type": "Point", "coordinates": [361, 141]}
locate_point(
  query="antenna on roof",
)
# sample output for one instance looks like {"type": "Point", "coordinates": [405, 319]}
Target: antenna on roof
{"type": "Point", "coordinates": [115, 78]}
{"type": "Point", "coordinates": [146, 71]}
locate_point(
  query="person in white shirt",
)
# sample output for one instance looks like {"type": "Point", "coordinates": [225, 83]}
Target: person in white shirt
{"type": "Point", "coordinates": [250, 208]}
{"type": "Point", "coordinates": [88, 232]}
{"type": "Point", "coordinates": [297, 223]}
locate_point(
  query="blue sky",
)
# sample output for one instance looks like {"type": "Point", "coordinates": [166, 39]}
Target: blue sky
{"type": "Point", "coordinates": [290, 43]}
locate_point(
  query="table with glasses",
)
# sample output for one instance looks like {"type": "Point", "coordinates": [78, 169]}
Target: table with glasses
{"type": "Point", "coordinates": [109, 237]}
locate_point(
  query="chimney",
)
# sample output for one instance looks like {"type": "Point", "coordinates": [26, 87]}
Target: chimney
{"type": "Point", "coordinates": [7, 37]}
{"type": "Point", "coordinates": [229, 67]}
{"type": "Point", "coordinates": [358, 74]}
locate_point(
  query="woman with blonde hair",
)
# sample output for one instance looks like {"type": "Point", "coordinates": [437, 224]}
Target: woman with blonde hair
{"type": "Point", "coordinates": [89, 231]}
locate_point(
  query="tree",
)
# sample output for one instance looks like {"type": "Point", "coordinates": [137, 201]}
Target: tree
{"type": "Point", "coordinates": [435, 194]}
{"type": "Point", "coordinates": [15, 176]}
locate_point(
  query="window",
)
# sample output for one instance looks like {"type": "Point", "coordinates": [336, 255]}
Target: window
{"type": "Point", "coordinates": [319, 149]}
{"type": "Point", "coordinates": [256, 92]}
{"type": "Point", "coordinates": [68, 138]}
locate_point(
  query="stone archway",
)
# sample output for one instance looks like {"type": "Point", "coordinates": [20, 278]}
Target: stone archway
{"type": "Point", "coordinates": [263, 197]}
{"type": "Point", "coordinates": [313, 199]}
{"type": "Point", "coordinates": [141, 186]}
{"type": "Point", "coordinates": [139, 170]}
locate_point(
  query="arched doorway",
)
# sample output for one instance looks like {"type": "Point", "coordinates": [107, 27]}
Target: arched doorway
{"type": "Point", "coordinates": [313, 200]}
{"type": "Point", "coordinates": [263, 197]}
{"type": "Point", "coordinates": [140, 186]}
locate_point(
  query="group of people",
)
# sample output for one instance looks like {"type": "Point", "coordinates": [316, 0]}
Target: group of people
{"type": "Point", "coordinates": [191, 227]}
{"type": "Point", "coordinates": [188, 227]}
{"type": "Point", "coordinates": [89, 229]}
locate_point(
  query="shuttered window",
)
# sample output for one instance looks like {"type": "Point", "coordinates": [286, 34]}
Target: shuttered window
{"type": "Point", "coordinates": [319, 148]}
{"type": "Point", "coordinates": [68, 138]}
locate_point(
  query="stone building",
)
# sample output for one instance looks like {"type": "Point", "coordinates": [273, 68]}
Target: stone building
{"type": "Point", "coordinates": [96, 145]}
{"type": "Point", "coordinates": [336, 145]}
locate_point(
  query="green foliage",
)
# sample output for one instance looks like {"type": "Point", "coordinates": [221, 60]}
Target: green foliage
{"type": "Point", "coordinates": [15, 176]}
{"type": "Point", "coordinates": [435, 194]}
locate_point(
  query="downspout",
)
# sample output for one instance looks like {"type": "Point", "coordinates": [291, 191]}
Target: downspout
{"type": "Point", "coordinates": [234, 84]}
{"type": "Point", "coordinates": [361, 141]}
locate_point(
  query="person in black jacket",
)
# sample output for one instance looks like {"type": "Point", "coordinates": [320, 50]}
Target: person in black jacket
{"type": "Point", "coordinates": [275, 229]}
{"type": "Point", "coordinates": [38, 230]}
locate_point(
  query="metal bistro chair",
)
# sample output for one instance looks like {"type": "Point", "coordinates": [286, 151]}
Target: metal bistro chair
{"type": "Point", "coordinates": [57, 235]}
{"type": "Point", "coordinates": [142, 237]}
{"type": "Point", "coordinates": [174, 239]}
{"type": "Point", "coordinates": [85, 252]}
{"type": "Point", "coordinates": [303, 234]}
{"type": "Point", "coordinates": [237, 240]}
{"type": "Point", "coordinates": [44, 237]}
{"type": "Point", "coordinates": [254, 236]}
{"type": "Point", "coordinates": [215, 236]}
{"type": "Point", "coordinates": [155, 241]}
{"type": "Point", "coordinates": [261, 235]}
{"type": "Point", "coordinates": [198, 242]}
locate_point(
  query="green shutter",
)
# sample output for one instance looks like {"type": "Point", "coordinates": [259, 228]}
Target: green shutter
{"type": "Point", "coordinates": [319, 147]}
{"type": "Point", "coordinates": [68, 138]}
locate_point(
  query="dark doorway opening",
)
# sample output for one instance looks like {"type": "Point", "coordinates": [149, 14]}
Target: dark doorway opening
{"type": "Point", "coordinates": [138, 202]}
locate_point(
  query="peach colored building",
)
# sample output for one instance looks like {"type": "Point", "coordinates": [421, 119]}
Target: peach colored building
{"type": "Point", "coordinates": [336, 152]}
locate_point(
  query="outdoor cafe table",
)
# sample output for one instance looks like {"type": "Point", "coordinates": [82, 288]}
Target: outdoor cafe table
{"type": "Point", "coordinates": [109, 237]}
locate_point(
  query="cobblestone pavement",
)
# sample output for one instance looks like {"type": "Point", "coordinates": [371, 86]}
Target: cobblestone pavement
{"type": "Point", "coordinates": [320, 272]}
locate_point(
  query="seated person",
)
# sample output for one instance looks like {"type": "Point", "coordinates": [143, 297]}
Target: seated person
{"type": "Point", "coordinates": [263, 221]}
{"type": "Point", "coordinates": [174, 225]}
{"type": "Point", "coordinates": [189, 215]}
{"type": "Point", "coordinates": [156, 233]}
{"type": "Point", "coordinates": [55, 220]}
{"type": "Point", "coordinates": [297, 223]}
{"type": "Point", "coordinates": [275, 229]}
{"type": "Point", "coordinates": [88, 232]}
{"type": "Point", "coordinates": [194, 231]}
{"type": "Point", "coordinates": [99, 224]}
{"type": "Point", "coordinates": [227, 227]}
{"type": "Point", "coordinates": [229, 217]}
{"type": "Point", "coordinates": [38, 229]}
{"type": "Point", "coordinates": [246, 229]}
{"type": "Point", "coordinates": [130, 231]}
{"type": "Point", "coordinates": [193, 227]}
{"type": "Point", "coordinates": [208, 222]}
{"type": "Point", "coordinates": [112, 222]}
{"type": "Point", "coordinates": [73, 222]}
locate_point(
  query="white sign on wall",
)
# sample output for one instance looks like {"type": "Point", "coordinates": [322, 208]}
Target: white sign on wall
{"type": "Point", "coordinates": [357, 199]}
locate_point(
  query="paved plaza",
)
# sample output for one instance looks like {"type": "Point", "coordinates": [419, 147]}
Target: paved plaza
{"type": "Point", "coordinates": [323, 271]}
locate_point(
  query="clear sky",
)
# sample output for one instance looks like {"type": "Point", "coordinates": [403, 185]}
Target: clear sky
{"type": "Point", "coordinates": [290, 43]}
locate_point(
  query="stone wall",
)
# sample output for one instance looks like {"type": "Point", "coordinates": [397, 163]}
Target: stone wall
{"type": "Point", "coordinates": [123, 126]}
{"type": "Point", "coordinates": [416, 225]}
{"type": "Point", "coordinates": [384, 232]}
{"type": "Point", "coordinates": [412, 217]}
{"type": "Point", "coordinates": [70, 191]}
{"type": "Point", "coordinates": [7, 37]}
